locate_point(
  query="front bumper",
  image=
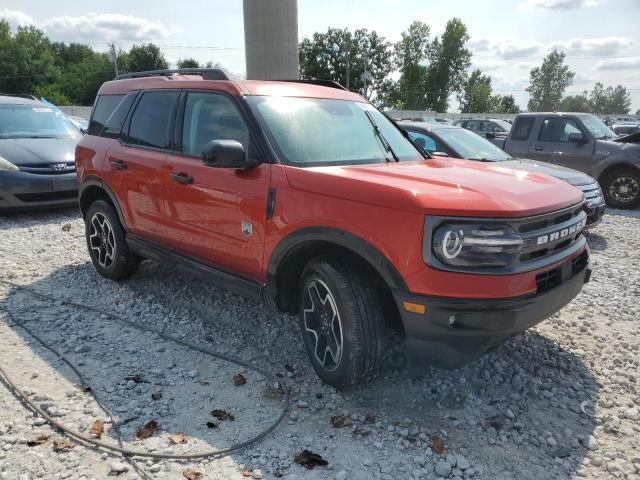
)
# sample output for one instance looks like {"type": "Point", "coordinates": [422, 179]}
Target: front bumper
{"type": "Point", "coordinates": [20, 190]}
{"type": "Point", "coordinates": [594, 214]}
{"type": "Point", "coordinates": [454, 331]}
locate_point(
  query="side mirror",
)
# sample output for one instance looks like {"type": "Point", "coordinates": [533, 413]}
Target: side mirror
{"type": "Point", "coordinates": [490, 135]}
{"type": "Point", "coordinates": [577, 138]}
{"type": "Point", "coordinates": [440, 154]}
{"type": "Point", "coordinates": [226, 154]}
{"type": "Point", "coordinates": [83, 131]}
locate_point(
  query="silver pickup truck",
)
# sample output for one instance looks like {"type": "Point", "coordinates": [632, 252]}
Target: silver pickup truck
{"type": "Point", "coordinates": [583, 142]}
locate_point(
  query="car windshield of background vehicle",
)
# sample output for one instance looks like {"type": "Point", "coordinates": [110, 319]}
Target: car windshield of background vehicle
{"type": "Point", "coordinates": [504, 124]}
{"type": "Point", "coordinates": [472, 146]}
{"type": "Point", "coordinates": [34, 121]}
{"type": "Point", "coordinates": [597, 128]}
{"type": "Point", "coordinates": [313, 132]}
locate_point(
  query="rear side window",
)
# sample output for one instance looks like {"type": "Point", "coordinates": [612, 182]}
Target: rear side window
{"type": "Point", "coordinates": [102, 110]}
{"type": "Point", "coordinates": [152, 119]}
{"type": "Point", "coordinates": [114, 123]}
{"type": "Point", "coordinates": [522, 128]}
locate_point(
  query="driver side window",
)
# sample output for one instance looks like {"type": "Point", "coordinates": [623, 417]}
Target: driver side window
{"type": "Point", "coordinates": [425, 141]}
{"type": "Point", "coordinates": [558, 130]}
{"type": "Point", "coordinates": [210, 116]}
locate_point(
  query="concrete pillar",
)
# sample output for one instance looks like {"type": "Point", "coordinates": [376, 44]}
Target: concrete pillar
{"type": "Point", "coordinates": [271, 39]}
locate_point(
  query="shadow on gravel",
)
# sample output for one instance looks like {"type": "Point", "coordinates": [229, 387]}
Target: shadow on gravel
{"type": "Point", "coordinates": [29, 218]}
{"type": "Point", "coordinates": [596, 242]}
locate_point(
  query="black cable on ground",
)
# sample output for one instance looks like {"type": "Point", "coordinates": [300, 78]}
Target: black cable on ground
{"type": "Point", "coordinates": [124, 451]}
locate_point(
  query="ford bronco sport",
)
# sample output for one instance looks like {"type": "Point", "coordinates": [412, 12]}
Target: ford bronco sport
{"type": "Point", "coordinates": [305, 196]}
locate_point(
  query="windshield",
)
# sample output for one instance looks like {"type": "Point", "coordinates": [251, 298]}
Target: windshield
{"type": "Point", "coordinates": [506, 126]}
{"type": "Point", "coordinates": [472, 146]}
{"type": "Point", "coordinates": [34, 121]}
{"type": "Point", "coordinates": [597, 128]}
{"type": "Point", "coordinates": [313, 131]}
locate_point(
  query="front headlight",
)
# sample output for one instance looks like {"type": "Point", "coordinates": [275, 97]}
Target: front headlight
{"type": "Point", "coordinates": [476, 245]}
{"type": "Point", "coordinates": [7, 166]}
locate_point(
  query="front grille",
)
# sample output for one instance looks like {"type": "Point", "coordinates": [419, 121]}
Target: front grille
{"type": "Point", "coordinates": [49, 168]}
{"type": "Point", "coordinates": [554, 278]}
{"type": "Point", "coordinates": [47, 196]}
{"type": "Point", "coordinates": [592, 194]}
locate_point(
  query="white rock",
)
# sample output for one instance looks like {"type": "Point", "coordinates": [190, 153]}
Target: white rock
{"type": "Point", "coordinates": [118, 467]}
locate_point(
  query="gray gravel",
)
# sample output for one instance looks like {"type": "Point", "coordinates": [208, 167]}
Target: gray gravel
{"type": "Point", "coordinates": [560, 401]}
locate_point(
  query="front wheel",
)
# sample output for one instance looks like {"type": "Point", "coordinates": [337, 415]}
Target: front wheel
{"type": "Point", "coordinates": [621, 188]}
{"type": "Point", "coordinates": [342, 323]}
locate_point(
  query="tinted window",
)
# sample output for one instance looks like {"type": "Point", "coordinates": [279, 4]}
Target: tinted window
{"type": "Point", "coordinates": [522, 128]}
{"type": "Point", "coordinates": [558, 129]}
{"type": "Point", "coordinates": [425, 141]}
{"type": "Point", "coordinates": [151, 119]}
{"type": "Point", "coordinates": [209, 117]}
{"type": "Point", "coordinates": [102, 110]}
{"type": "Point", "coordinates": [114, 123]}
{"type": "Point", "coordinates": [473, 125]}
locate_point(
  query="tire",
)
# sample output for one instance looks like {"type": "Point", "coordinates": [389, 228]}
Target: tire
{"type": "Point", "coordinates": [621, 188]}
{"type": "Point", "coordinates": [106, 242]}
{"type": "Point", "coordinates": [336, 298]}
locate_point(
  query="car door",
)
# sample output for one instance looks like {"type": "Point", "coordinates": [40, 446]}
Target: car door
{"type": "Point", "coordinates": [554, 145]}
{"type": "Point", "coordinates": [139, 158]}
{"type": "Point", "coordinates": [517, 143]}
{"type": "Point", "coordinates": [217, 215]}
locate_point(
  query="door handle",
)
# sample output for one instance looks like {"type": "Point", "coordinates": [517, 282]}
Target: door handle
{"type": "Point", "coordinates": [537, 148]}
{"type": "Point", "coordinates": [118, 164]}
{"type": "Point", "coordinates": [182, 178]}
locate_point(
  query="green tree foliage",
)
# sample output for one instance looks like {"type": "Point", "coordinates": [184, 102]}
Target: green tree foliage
{"type": "Point", "coordinates": [476, 95]}
{"type": "Point", "coordinates": [507, 104]}
{"type": "Point", "coordinates": [188, 63]}
{"type": "Point", "coordinates": [343, 57]}
{"type": "Point", "coordinates": [609, 100]}
{"type": "Point", "coordinates": [576, 103]}
{"type": "Point", "coordinates": [548, 82]}
{"type": "Point", "coordinates": [411, 54]}
{"type": "Point", "coordinates": [144, 57]}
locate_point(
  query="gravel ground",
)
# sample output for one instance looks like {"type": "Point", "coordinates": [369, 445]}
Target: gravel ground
{"type": "Point", "coordinates": [560, 401]}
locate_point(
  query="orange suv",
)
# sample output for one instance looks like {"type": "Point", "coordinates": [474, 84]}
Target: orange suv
{"type": "Point", "coordinates": [304, 195]}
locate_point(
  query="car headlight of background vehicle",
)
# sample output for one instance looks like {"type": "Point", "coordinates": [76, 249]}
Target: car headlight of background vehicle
{"type": "Point", "coordinates": [7, 166]}
{"type": "Point", "coordinates": [476, 245]}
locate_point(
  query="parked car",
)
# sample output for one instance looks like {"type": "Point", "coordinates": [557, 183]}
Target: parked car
{"type": "Point", "coordinates": [307, 197]}
{"type": "Point", "coordinates": [456, 142]}
{"type": "Point", "coordinates": [583, 142]}
{"type": "Point", "coordinates": [81, 123]}
{"type": "Point", "coordinates": [495, 130]}
{"type": "Point", "coordinates": [37, 148]}
{"type": "Point", "coordinates": [626, 128]}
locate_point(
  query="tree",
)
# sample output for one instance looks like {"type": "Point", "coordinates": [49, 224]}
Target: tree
{"type": "Point", "coordinates": [343, 57]}
{"type": "Point", "coordinates": [476, 94]}
{"type": "Point", "coordinates": [507, 104]}
{"type": "Point", "coordinates": [449, 61]}
{"type": "Point", "coordinates": [188, 63]}
{"type": "Point", "coordinates": [576, 103]}
{"type": "Point", "coordinates": [609, 100]}
{"type": "Point", "coordinates": [144, 57]}
{"type": "Point", "coordinates": [548, 83]}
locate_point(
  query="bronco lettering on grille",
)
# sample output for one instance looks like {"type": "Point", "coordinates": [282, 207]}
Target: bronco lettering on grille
{"type": "Point", "coordinates": [552, 237]}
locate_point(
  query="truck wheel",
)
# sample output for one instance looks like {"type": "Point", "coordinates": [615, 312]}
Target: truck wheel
{"type": "Point", "coordinates": [342, 323]}
{"type": "Point", "coordinates": [108, 249]}
{"type": "Point", "coordinates": [621, 188]}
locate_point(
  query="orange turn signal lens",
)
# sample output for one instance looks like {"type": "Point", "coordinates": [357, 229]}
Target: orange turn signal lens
{"type": "Point", "coordinates": [414, 307]}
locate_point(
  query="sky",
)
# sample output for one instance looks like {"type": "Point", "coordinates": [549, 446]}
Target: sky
{"type": "Point", "coordinates": [601, 38]}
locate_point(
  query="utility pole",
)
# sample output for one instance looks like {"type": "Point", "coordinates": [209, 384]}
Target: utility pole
{"type": "Point", "coordinates": [114, 54]}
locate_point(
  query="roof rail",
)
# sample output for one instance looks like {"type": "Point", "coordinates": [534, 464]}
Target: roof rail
{"type": "Point", "coordinates": [19, 95]}
{"type": "Point", "coordinates": [321, 83]}
{"type": "Point", "coordinates": [207, 73]}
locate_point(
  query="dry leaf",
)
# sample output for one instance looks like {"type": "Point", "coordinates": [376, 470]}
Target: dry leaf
{"type": "Point", "coordinates": [190, 474]}
{"type": "Point", "coordinates": [362, 432]}
{"type": "Point", "coordinates": [37, 441]}
{"type": "Point", "coordinates": [156, 395]}
{"type": "Point", "coordinates": [213, 424]}
{"type": "Point", "coordinates": [66, 227]}
{"type": "Point", "coordinates": [247, 473]}
{"type": "Point", "coordinates": [177, 438]}
{"type": "Point", "coordinates": [222, 415]}
{"type": "Point", "coordinates": [309, 459]}
{"type": "Point", "coordinates": [147, 430]}
{"type": "Point", "coordinates": [135, 378]}
{"type": "Point", "coordinates": [339, 421]}
{"type": "Point", "coordinates": [97, 429]}
{"type": "Point", "coordinates": [238, 379]}
{"type": "Point", "coordinates": [62, 445]}
{"type": "Point", "coordinates": [437, 445]}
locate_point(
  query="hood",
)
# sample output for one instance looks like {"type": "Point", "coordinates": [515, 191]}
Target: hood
{"type": "Point", "coordinates": [30, 151]}
{"type": "Point", "coordinates": [569, 175]}
{"type": "Point", "coordinates": [440, 187]}
{"type": "Point", "coordinates": [633, 138]}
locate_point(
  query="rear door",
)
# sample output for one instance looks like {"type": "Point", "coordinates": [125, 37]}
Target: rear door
{"type": "Point", "coordinates": [552, 144]}
{"type": "Point", "coordinates": [139, 159]}
{"type": "Point", "coordinates": [517, 143]}
{"type": "Point", "coordinates": [217, 215]}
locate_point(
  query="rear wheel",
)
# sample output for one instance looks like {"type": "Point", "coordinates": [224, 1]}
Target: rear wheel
{"type": "Point", "coordinates": [106, 242]}
{"type": "Point", "coordinates": [342, 323]}
{"type": "Point", "coordinates": [621, 188]}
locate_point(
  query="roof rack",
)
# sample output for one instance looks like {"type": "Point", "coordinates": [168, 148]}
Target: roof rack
{"type": "Point", "coordinates": [321, 83]}
{"type": "Point", "coordinates": [19, 95]}
{"type": "Point", "coordinates": [207, 73]}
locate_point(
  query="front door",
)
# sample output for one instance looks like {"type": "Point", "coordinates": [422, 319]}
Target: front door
{"type": "Point", "coordinates": [217, 215]}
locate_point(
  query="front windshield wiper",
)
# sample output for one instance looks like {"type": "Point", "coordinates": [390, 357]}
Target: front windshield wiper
{"type": "Point", "coordinates": [383, 140]}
